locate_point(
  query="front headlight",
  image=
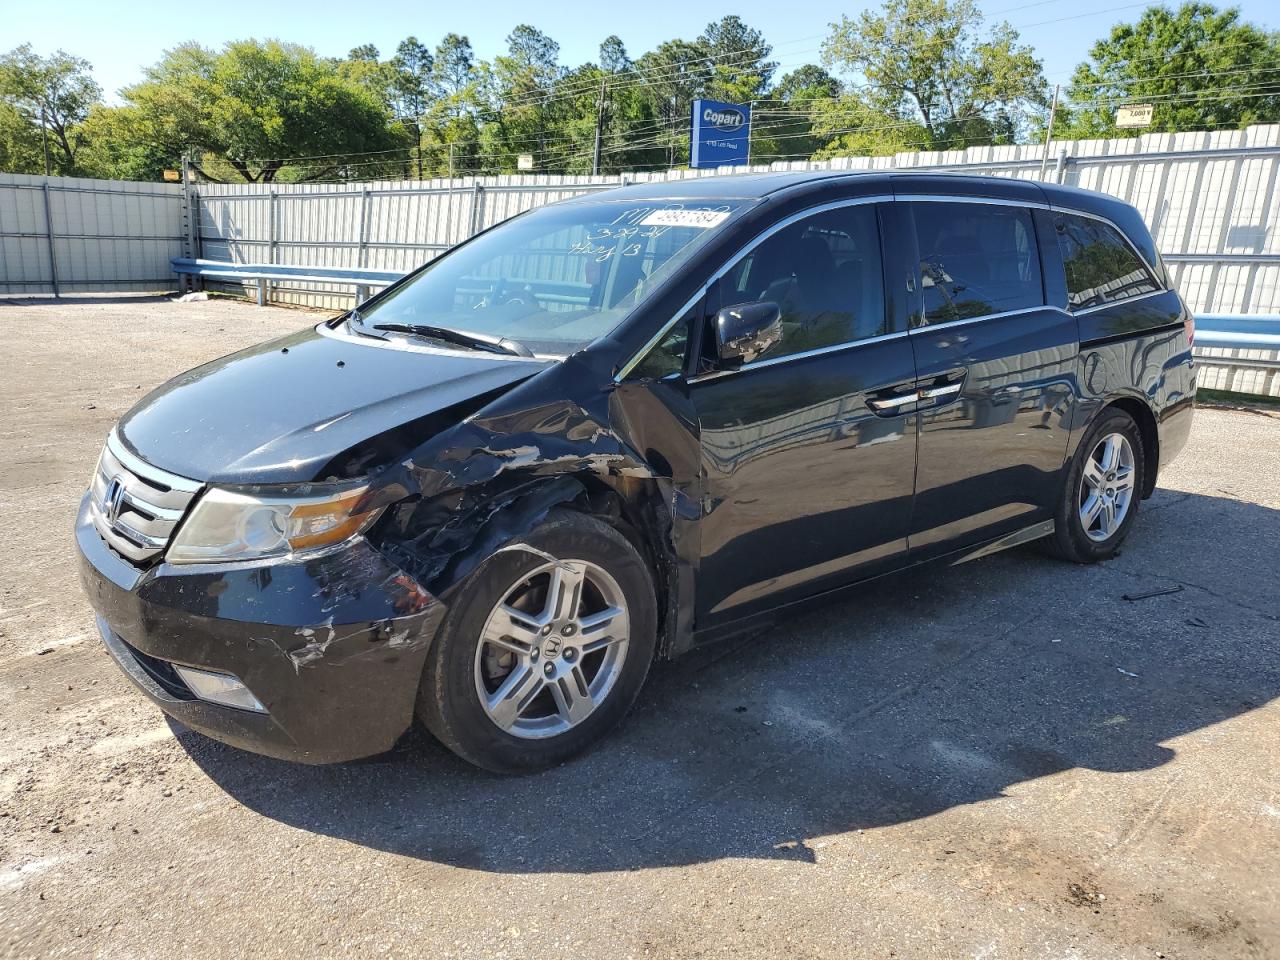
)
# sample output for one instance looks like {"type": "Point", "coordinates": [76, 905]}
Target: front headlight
{"type": "Point", "coordinates": [225, 525]}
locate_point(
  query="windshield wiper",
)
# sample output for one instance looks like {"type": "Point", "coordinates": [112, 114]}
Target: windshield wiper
{"type": "Point", "coordinates": [463, 338]}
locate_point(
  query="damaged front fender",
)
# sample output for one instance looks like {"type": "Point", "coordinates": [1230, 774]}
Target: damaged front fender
{"type": "Point", "coordinates": [491, 479]}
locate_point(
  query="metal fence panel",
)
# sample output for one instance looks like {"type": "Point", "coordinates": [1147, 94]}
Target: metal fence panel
{"type": "Point", "coordinates": [1211, 199]}
{"type": "Point", "coordinates": [65, 234]}
{"type": "Point", "coordinates": [1204, 194]}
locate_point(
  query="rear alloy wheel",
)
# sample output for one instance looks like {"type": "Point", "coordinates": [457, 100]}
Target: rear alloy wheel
{"type": "Point", "coordinates": [1106, 487]}
{"type": "Point", "coordinates": [544, 648]}
{"type": "Point", "coordinates": [1102, 492]}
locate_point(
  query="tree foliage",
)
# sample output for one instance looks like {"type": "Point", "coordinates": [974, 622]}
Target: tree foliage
{"type": "Point", "coordinates": [55, 92]}
{"type": "Point", "coordinates": [249, 109]}
{"type": "Point", "coordinates": [937, 62]}
{"type": "Point", "coordinates": [912, 74]}
{"type": "Point", "coordinates": [1201, 68]}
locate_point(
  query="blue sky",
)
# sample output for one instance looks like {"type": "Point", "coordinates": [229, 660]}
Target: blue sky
{"type": "Point", "coordinates": [119, 37]}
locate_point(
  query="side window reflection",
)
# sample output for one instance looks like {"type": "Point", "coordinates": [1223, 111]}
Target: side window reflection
{"type": "Point", "coordinates": [1101, 267]}
{"type": "Point", "coordinates": [825, 274]}
{"type": "Point", "coordinates": [975, 260]}
{"type": "Point", "coordinates": [668, 355]}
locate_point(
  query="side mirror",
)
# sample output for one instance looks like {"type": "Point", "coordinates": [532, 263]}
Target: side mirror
{"type": "Point", "coordinates": [746, 331]}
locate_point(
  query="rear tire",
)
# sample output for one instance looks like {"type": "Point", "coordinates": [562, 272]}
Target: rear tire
{"type": "Point", "coordinates": [1099, 501]}
{"type": "Point", "coordinates": [545, 648]}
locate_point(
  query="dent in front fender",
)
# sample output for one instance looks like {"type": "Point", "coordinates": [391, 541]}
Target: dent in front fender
{"type": "Point", "coordinates": [491, 479]}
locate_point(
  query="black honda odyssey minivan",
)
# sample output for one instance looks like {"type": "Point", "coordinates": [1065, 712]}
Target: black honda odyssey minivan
{"type": "Point", "coordinates": [613, 428]}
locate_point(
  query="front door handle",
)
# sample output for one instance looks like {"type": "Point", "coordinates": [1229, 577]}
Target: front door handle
{"type": "Point", "coordinates": [939, 390]}
{"type": "Point", "coordinates": [889, 404]}
{"type": "Point", "coordinates": [891, 401]}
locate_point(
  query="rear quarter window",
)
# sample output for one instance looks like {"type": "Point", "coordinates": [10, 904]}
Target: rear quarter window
{"type": "Point", "coordinates": [1101, 265]}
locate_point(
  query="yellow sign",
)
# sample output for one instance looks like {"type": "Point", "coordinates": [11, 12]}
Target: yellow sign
{"type": "Point", "coordinates": [1134, 115]}
{"type": "Point", "coordinates": [172, 176]}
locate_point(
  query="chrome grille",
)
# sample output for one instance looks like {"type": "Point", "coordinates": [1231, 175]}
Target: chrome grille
{"type": "Point", "coordinates": [135, 505]}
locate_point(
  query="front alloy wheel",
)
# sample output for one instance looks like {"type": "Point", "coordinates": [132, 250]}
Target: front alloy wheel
{"type": "Point", "coordinates": [544, 646]}
{"type": "Point", "coordinates": [552, 649]}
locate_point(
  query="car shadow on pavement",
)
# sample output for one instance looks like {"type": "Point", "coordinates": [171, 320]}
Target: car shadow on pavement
{"type": "Point", "coordinates": [920, 694]}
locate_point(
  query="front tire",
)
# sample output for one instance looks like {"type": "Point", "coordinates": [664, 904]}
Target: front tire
{"type": "Point", "coordinates": [1099, 503]}
{"type": "Point", "coordinates": [545, 648]}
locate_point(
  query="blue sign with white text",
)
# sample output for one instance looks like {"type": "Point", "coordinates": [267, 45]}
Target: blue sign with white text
{"type": "Point", "coordinates": [721, 133]}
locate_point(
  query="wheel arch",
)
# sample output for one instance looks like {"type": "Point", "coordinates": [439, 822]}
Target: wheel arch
{"type": "Point", "coordinates": [1148, 429]}
{"type": "Point", "coordinates": [638, 507]}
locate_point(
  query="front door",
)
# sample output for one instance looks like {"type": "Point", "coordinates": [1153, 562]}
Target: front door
{"type": "Point", "coordinates": [996, 373]}
{"type": "Point", "coordinates": [808, 473]}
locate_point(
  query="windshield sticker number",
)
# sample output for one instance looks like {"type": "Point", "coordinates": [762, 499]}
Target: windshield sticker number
{"type": "Point", "coordinates": [685, 218]}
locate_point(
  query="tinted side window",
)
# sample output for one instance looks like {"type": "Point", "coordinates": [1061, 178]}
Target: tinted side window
{"type": "Point", "coordinates": [667, 355]}
{"type": "Point", "coordinates": [1101, 266]}
{"type": "Point", "coordinates": [824, 272]}
{"type": "Point", "coordinates": [976, 259]}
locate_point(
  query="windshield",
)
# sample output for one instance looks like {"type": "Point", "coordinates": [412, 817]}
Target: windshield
{"type": "Point", "coordinates": [555, 279]}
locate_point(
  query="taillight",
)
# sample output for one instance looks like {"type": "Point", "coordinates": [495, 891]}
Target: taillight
{"type": "Point", "coordinates": [1189, 325]}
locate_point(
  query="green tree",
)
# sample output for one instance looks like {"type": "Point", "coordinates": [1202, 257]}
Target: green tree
{"type": "Point", "coordinates": [674, 75]}
{"type": "Point", "coordinates": [20, 147]}
{"type": "Point", "coordinates": [523, 114]}
{"type": "Point", "coordinates": [411, 89]}
{"type": "Point", "coordinates": [451, 130]}
{"type": "Point", "coordinates": [939, 63]}
{"type": "Point", "coordinates": [740, 68]}
{"type": "Point", "coordinates": [782, 123]}
{"type": "Point", "coordinates": [115, 150]}
{"type": "Point", "coordinates": [256, 107]}
{"type": "Point", "coordinates": [364, 68]}
{"type": "Point", "coordinates": [56, 92]}
{"type": "Point", "coordinates": [1198, 66]}
{"type": "Point", "coordinates": [629, 116]}
{"type": "Point", "coordinates": [854, 126]}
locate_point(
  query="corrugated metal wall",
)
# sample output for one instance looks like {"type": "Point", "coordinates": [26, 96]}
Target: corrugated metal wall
{"type": "Point", "coordinates": [65, 235]}
{"type": "Point", "coordinates": [1210, 198]}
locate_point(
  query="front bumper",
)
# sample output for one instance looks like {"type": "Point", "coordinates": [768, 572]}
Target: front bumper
{"type": "Point", "coordinates": [333, 646]}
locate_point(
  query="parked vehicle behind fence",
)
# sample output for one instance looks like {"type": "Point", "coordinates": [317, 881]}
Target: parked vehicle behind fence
{"type": "Point", "coordinates": [616, 427]}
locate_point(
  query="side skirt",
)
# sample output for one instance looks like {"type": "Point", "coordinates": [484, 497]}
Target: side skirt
{"type": "Point", "coordinates": [761, 621]}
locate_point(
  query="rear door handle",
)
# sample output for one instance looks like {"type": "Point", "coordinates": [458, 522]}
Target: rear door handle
{"type": "Point", "coordinates": [932, 393]}
{"type": "Point", "coordinates": [940, 390]}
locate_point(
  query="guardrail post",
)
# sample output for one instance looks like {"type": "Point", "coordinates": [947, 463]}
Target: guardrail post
{"type": "Point", "coordinates": [362, 293]}
{"type": "Point", "coordinates": [262, 291]}
{"type": "Point", "coordinates": [1060, 166]}
{"type": "Point", "coordinates": [53, 257]}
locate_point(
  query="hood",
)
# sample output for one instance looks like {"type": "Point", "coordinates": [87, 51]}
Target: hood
{"type": "Point", "coordinates": [281, 411]}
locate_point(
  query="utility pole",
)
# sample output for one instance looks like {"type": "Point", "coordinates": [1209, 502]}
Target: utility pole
{"type": "Point", "coordinates": [595, 155]}
{"type": "Point", "coordinates": [450, 159]}
{"type": "Point", "coordinates": [44, 135]}
{"type": "Point", "coordinates": [1048, 132]}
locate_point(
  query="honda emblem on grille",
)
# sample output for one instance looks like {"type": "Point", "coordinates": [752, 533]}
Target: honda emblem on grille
{"type": "Point", "coordinates": [112, 501]}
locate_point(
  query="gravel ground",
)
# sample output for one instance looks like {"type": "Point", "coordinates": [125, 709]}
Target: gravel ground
{"type": "Point", "coordinates": [1004, 759]}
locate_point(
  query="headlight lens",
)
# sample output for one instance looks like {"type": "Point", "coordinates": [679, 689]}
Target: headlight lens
{"type": "Point", "coordinates": [226, 525]}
